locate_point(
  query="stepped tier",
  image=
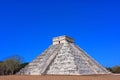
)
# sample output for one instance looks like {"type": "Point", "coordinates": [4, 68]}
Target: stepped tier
{"type": "Point", "coordinates": [63, 57]}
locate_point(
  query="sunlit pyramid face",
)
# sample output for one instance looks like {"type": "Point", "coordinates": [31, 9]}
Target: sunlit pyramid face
{"type": "Point", "coordinates": [63, 57]}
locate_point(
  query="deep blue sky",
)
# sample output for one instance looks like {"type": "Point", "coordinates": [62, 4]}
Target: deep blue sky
{"type": "Point", "coordinates": [27, 27]}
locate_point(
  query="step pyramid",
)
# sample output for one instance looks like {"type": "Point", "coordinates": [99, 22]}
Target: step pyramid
{"type": "Point", "coordinates": [63, 57]}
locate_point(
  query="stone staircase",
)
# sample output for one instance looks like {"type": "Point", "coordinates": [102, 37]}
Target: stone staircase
{"type": "Point", "coordinates": [63, 63]}
{"type": "Point", "coordinates": [38, 65]}
{"type": "Point", "coordinates": [51, 58]}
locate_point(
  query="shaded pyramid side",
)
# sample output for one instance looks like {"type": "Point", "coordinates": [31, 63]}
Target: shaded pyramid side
{"type": "Point", "coordinates": [89, 61]}
{"type": "Point", "coordinates": [39, 65]}
{"type": "Point", "coordinates": [71, 60]}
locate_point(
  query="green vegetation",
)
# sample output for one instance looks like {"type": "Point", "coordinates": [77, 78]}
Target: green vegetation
{"type": "Point", "coordinates": [11, 65]}
{"type": "Point", "coordinates": [115, 69]}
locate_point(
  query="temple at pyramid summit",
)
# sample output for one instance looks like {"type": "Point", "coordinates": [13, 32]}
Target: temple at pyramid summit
{"type": "Point", "coordinates": [63, 57]}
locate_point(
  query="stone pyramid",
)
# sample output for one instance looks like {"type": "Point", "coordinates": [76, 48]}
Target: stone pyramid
{"type": "Point", "coordinates": [63, 57]}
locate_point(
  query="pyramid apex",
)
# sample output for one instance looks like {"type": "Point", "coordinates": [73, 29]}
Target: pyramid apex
{"type": "Point", "coordinates": [62, 39]}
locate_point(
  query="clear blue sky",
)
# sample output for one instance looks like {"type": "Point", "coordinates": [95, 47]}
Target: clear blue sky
{"type": "Point", "coordinates": [28, 26]}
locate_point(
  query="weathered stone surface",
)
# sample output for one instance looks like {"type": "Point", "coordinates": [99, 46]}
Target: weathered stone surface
{"type": "Point", "coordinates": [62, 39]}
{"type": "Point", "coordinates": [63, 58]}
